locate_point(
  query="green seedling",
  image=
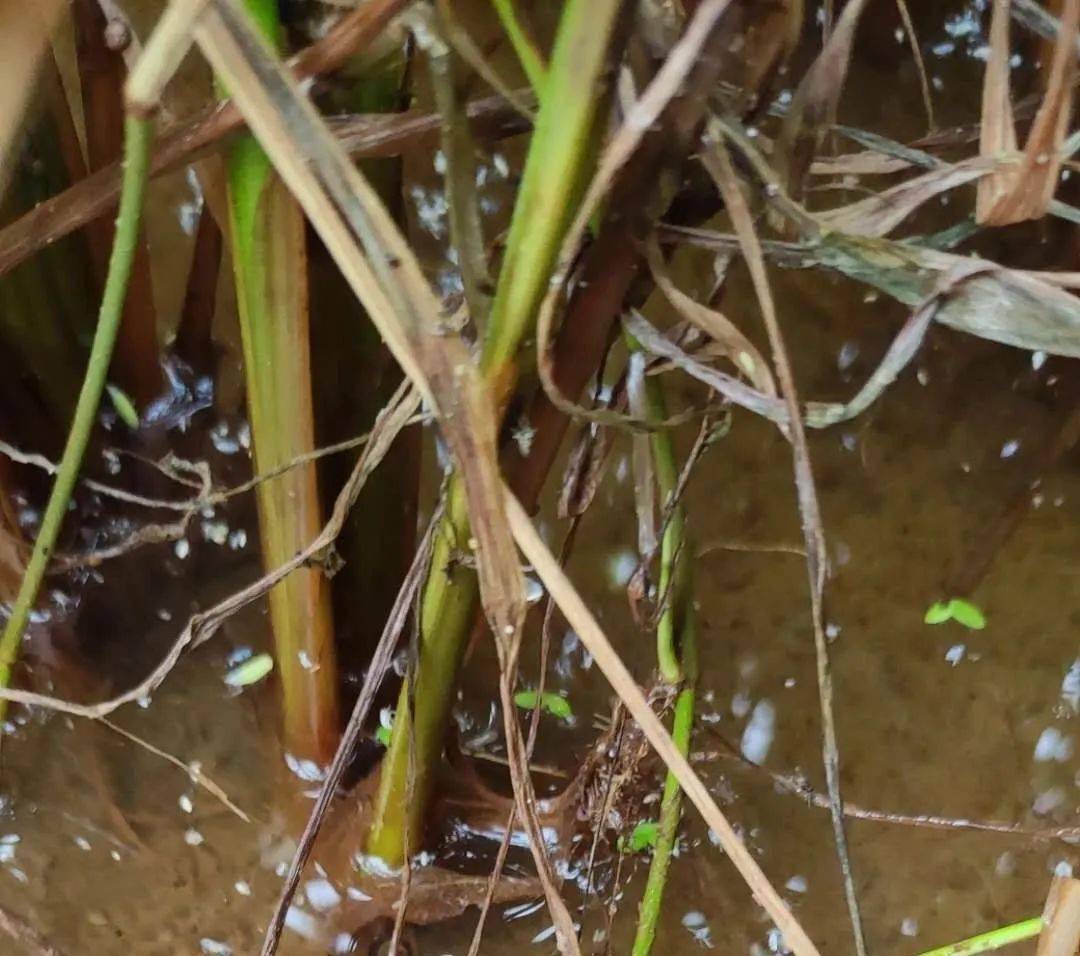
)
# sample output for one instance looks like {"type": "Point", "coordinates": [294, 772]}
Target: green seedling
{"type": "Point", "coordinates": [554, 704]}
{"type": "Point", "coordinates": [956, 609]}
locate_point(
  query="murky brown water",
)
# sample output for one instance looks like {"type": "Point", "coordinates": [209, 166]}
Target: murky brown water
{"type": "Point", "coordinates": [112, 850]}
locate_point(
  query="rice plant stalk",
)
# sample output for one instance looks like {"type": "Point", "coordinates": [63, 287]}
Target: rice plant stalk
{"type": "Point", "coordinates": [676, 653]}
{"type": "Point", "coordinates": [270, 264]}
{"type": "Point", "coordinates": [558, 160]}
{"type": "Point", "coordinates": [138, 133]}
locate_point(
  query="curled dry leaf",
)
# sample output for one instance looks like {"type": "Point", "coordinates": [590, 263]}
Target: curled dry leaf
{"type": "Point", "coordinates": [1024, 190]}
{"type": "Point", "coordinates": [879, 214]}
{"type": "Point", "coordinates": [736, 346]}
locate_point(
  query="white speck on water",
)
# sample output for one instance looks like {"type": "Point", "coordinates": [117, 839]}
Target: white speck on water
{"type": "Point", "coordinates": [193, 837]}
{"type": "Point", "coordinates": [322, 895]}
{"type": "Point", "coordinates": [849, 440]}
{"type": "Point", "coordinates": [7, 848]}
{"type": "Point", "coordinates": [115, 855]}
{"type": "Point", "coordinates": [302, 923]}
{"type": "Point", "coordinates": [955, 654]}
{"type": "Point", "coordinates": [847, 355]}
{"type": "Point", "coordinates": [211, 947]}
{"type": "Point", "coordinates": [222, 440]}
{"type": "Point", "coordinates": [355, 893]}
{"type": "Point", "coordinates": [909, 927]}
{"type": "Point", "coordinates": [832, 631]}
{"type": "Point", "coordinates": [790, 682]}
{"type": "Point", "coordinates": [1005, 864]}
{"type": "Point", "coordinates": [238, 540]}
{"type": "Point", "coordinates": [502, 167]}
{"type": "Point", "coordinates": [82, 843]}
{"type": "Point", "coordinates": [1048, 801]}
{"type": "Point", "coordinates": [758, 736]}
{"type": "Point", "coordinates": [182, 548]}
{"type": "Point", "coordinates": [1010, 448]}
{"type": "Point", "coordinates": [164, 614]}
{"type": "Point", "coordinates": [305, 660]}
{"type": "Point", "coordinates": [775, 941]}
{"type": "Point", "coordinates": [534, 590]}
{"type": "Point", "coordinates": [216, 532]}
{"type": "Point", "coordinates": [244, 434]}
{"type": "Point", "coordinates": [621, 566]}
{"type": "Point", "coordinates": [1038, 360]}
{"type": "Point", "coordinates": [922, 376]}
{"type": "Point", "coordinates": [305, 769]}
{"type": "Point", "coordinates": [185, 803]}
{"type": "Point", "coordinates": [439, 162]}
{"type": "Point", "coordinates": [740, 704]}
{"type": "Point", "coordinates": [698, 927]}
{"type": "Point", "coordinates": [797, 884]}
{"type": "Point", "coordinates": [344, 943]}
{"type": "Point", "coordinates": [242, 887]}
{"type": "Point", "coordinates": [1063, 868]}
{"type": "Point", "coordinates": [1053, 745]}
{"type": "Point", "coordinates": [1070, 687]}
{"type": "Point", "coordinates": [898, 34]}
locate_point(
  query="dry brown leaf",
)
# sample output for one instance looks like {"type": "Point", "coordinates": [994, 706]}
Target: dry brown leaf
{"type": "Point", "coordinates": [1024, 190]}
{"type": "Point", "coordinates": [878, 215]}
{"type": "Point", "coordinates": [815, 101]}
{"type": "Point", "coordinates": [736, 346]}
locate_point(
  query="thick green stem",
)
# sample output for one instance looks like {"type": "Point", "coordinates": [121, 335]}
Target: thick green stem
{"type": "Point", "coordinates": [556, 167]}
{"type": "Point", "coordinates": [676, 652]}
{"type": "Point", "coordinates": [138, 134]}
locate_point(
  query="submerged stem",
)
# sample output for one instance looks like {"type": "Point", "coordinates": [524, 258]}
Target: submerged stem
{"type": "Point", "coordinates": [138, 134]}
{"type": "Point", "coordinates": [555, 171]}
{"type": "Point", "coordinates": [676, 652]}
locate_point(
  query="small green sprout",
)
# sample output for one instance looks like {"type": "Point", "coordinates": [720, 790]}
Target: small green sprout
{"type": "Point", "coordinates": [251, 671]}
{"type": "Point", "coordinates": [124, 406]}
{"type": "Point", "coordinates": [956, 609]}
{"type": "Point", "coordinates": [642, 837]}
{"type": "Point", "coordinates": [554, 704]}
{"type": "Point", "coordinates": [386, 726]}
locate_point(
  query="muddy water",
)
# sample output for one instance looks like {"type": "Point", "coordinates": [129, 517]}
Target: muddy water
{"type": "Point", "coordinates": [110, 849]}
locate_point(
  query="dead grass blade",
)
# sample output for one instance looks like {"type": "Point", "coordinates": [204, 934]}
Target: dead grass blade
{"type": "Point", "coordinates": [718, 163]}
{"type": "Point", "coordinates": [1024, 190]}
{"type": "Point", "coordinates": [880, 214]}
{"type": "Point", "coordinates": [1061, 919]}
{"type": "Point", "coordinates": [738, 348]}
{"type": "Point", "coordinates": [592, 636]}
{"type": "Point", "coordinates": [815, 101]}
{"type": "Point", "coordinates": [920, 63]}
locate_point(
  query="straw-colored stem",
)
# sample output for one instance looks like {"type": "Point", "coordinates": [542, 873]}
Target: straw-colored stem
{"type": "Point", "coordinates": [555, 169]}
{"type": "Point", "coordinates": [138, 134]}
{"type": "Point", "coordinates": [267, 232]}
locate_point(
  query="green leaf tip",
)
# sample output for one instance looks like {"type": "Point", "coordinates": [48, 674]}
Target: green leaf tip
{"type": "Point", "coordinates": [642, 837]}
{"type": "Point", "coordinates": [251, 671]}
{"type": "Point", "coordinates": [124, 406]}
{"type": "Point", "coordinates": [956, 609]}
{"type": "Point", "coordinates": [554, 704]}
